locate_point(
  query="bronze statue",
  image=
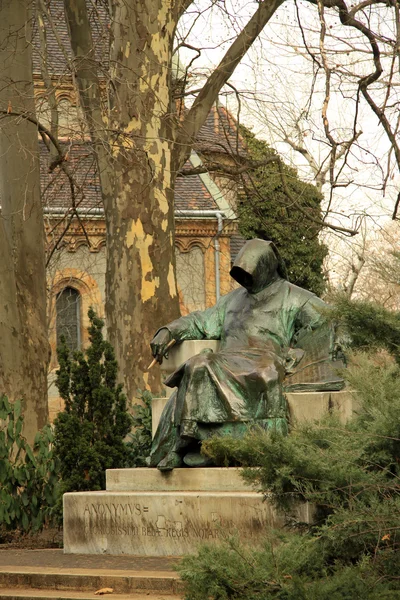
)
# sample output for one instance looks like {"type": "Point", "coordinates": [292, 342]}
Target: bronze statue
{"type": "Point", "coordinates": [274, 337]}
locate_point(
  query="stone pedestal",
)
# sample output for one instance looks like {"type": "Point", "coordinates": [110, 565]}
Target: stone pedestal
{"type": "Point", "coordinates": [312, 406]}
{"type": "Point", "coordinates": [148, 513]}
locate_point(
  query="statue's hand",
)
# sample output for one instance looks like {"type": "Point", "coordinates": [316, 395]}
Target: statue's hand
{"type": "Point", "coordinates": [159, 344]}
{"type": "Point", "coordinates": [293, 358]}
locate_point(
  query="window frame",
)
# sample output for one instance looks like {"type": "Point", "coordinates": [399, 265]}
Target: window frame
{"type": "Point", "coordinates": [78, 317]}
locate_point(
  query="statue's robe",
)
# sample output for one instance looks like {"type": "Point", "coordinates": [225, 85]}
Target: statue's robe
{"type": "Point", "coordinates": [259, 329]}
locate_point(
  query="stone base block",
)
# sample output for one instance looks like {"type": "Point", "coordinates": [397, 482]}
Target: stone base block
{"type": "Point", "coordinates": [312, 406]}
{"type": "Point", "coordinates": [165, 520]}
{"type": "Point", "coordinates": [162, 523]}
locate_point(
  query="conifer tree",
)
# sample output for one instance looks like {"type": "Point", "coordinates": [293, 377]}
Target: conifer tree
{"type": "Point", "coordinates": [274, 206]}
{"type": "Point", "coordinates": [90, 432]}
{"type": "Point", "coordinates": [349, 473]}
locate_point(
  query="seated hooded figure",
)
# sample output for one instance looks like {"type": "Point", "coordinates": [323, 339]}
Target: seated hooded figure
{"type": "Point", "coordinates": [274, 337]}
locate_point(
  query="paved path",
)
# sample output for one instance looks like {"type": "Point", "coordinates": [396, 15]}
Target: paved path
{"type": "Point", "coordinates": [55, 559]}
{"type": "Point", "coordinates": [52, 575]}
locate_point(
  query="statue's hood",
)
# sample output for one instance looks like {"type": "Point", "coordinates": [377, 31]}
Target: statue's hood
{"type": "Point", "coordinates": [257, 265]}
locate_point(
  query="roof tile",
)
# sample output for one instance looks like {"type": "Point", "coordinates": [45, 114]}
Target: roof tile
{"type": "Point", "coordinates": [190, 191]}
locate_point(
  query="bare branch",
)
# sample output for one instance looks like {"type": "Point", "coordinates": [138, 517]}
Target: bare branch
{"type": "Point", "coordinates": [350, 232]}
{"type": "Point", "coordinates": [202, 105]}
{"type": "Point", "coordinates": [41, 128]}
{"type": "Point", "coordinates": [50, 88]}
{"type": "Point", "coordinates": [181, 7]}
{"type": "Point", "coordinates": [84, 64]}
{"type": "Point", "coordinates": [209, 167]}
{"type": "Point", "coordinates": [86, 75]}
{"type": "Point", "coordinates": [59, 160]}
{"type": "Point", "coordinates": [347, 19]}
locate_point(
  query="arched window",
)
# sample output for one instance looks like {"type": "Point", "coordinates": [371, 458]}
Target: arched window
{"type": "Point", "coordinates": [190, 273]}
{"type": "Point", "coordinates": [68, 317]}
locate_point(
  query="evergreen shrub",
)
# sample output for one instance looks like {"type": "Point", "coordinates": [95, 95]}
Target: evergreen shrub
{"type": "Point", "coordinates": [274, 205]}
{"type": "Point", "coordinates": [29, 481]}
{"type": "Point", "coordinates": [90, 432]}
{"type": "Point", "coordinates": [367, 325]}
{"type": "Point", "coordinates": [139, 441]}
{"type": "Point", "coordinates": [351, 473]}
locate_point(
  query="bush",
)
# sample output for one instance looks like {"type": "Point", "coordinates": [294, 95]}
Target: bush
{"type": "Point", "coordinates": [351, 473]}
{"type": "Point", "coordinates": [286, 567]}
{"type": "Point", "coordinates": [272, 206]}
{"type": "Point", "coordinates": [368, 326]}
{"type": "Point", "coordinates": [90, 432]}
{"type": "Point", "coordinates": [29, 487]}
{"type": "Point", "coordinates": [139, 441]}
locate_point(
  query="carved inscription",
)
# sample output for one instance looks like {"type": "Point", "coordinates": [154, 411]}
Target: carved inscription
{"type": "Point", "coordinates": [114, 509]}
{"type": "Point", "coordinates": [135, 519]}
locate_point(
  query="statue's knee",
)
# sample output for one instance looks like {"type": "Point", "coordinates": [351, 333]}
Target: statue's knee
{"type": "Point", "coordinates": [272, 375]}
{"type": "Point", "coordinates": [200, 361]}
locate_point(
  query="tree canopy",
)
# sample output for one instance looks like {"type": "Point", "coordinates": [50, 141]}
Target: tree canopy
{"type": "Point", "coordinates": [276, 205]}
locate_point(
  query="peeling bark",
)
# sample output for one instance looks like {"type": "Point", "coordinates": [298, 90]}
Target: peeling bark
{"type": "Point", "coordinates": [24, 349]}
{"type": "Point", "coordinates": [140, 213]}
{"type": "Point", "coordinates": [134, 160]}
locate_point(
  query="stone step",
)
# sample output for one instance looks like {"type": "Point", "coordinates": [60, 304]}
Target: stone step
{"type": "Point", "coordinates": [215, 479]}
{"type": "Point", "coordinates": [33, 594]}
{"type": "Point", "coordinates": [85, 581]}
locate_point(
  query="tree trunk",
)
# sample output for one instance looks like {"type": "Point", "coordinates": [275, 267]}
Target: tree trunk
{"type": "Point", "coordinates": [136, 175]}
{"type": "Point", "coordinates": [140, 282]}
{"type": "Point", "coordinates": [24, 349]}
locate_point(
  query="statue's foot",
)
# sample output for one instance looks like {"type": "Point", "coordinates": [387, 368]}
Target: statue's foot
{"type": "Point", "coordinates": [195, 459]}
{"type": "Point", "coordinates": [189, 430]}
{"type": "Point", "coordinates": [173, 460]}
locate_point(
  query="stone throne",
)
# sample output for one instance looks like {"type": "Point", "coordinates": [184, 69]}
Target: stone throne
{"type": "Point", "coordinates": [302, 405]}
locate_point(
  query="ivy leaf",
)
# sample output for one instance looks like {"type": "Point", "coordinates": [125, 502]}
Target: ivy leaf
{"type": "Point", "coordinates": [3, 471]}
{"type": "Point", "coordinates": [30, 454]}
{"type": "Point", "coordinates": [4, 407]}
{"type": "Point", "coordinates": [18, 429]}
{"type": "Point", "coordinates": [17, 409]}
{"type": "Point", "coordinates": [10, 430]}
{"type": "Point", "coordinates": [25, 521]}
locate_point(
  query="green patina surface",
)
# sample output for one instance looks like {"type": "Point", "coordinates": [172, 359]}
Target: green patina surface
{"type": "Point", "coordinates": [274, 337]}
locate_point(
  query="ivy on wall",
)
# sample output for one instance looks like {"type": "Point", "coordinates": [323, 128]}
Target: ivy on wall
{"type": "Point", "coordinates": [274, 205]}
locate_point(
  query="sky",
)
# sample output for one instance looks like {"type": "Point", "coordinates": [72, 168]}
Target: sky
{"type": "Point", "coordinates": [275, 80]}
{"type": "Point", "coordinates": [282, 91]}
